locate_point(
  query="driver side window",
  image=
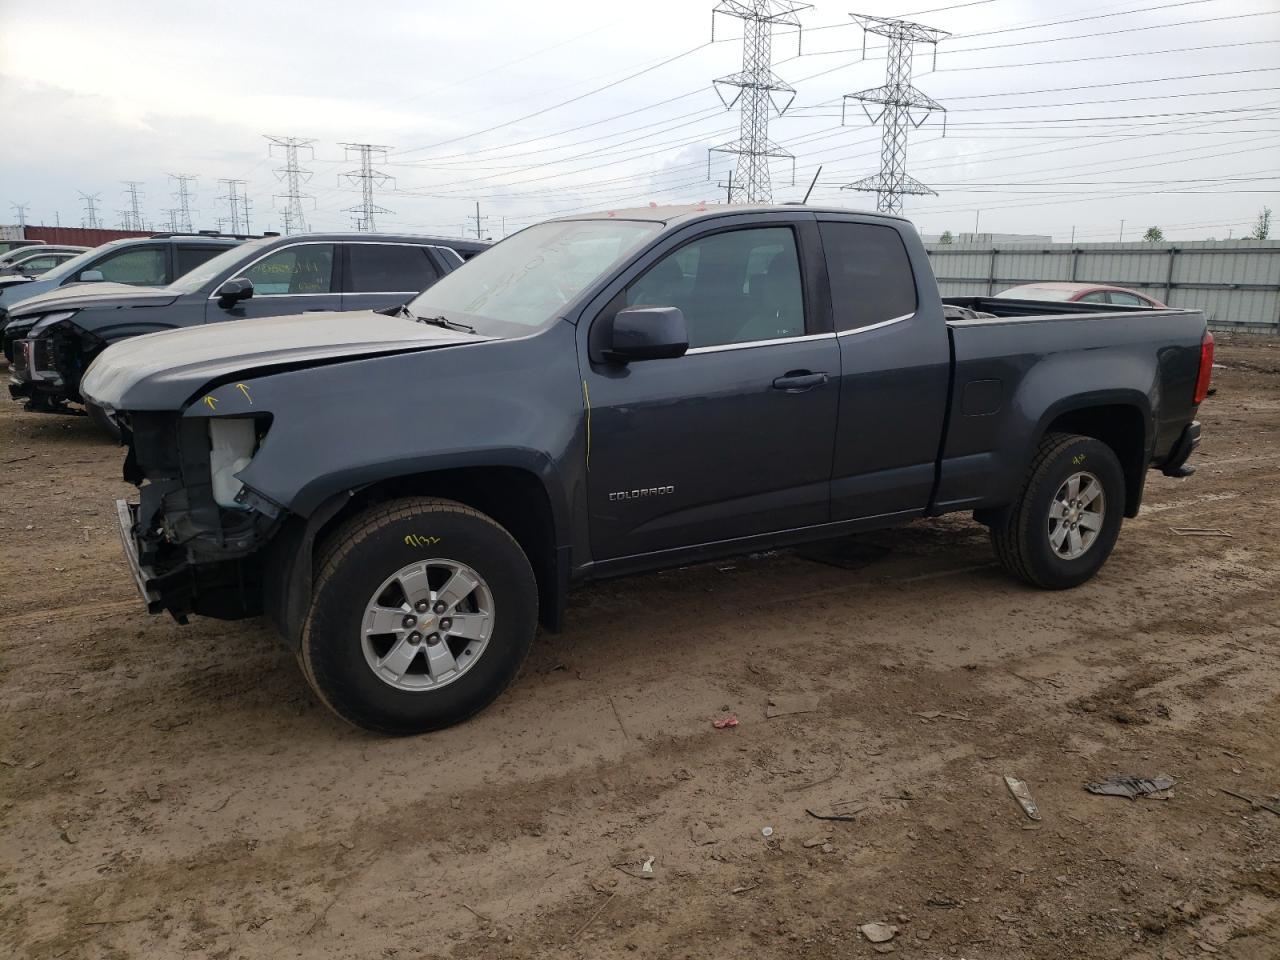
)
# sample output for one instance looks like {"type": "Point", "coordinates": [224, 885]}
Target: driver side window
{"type": "Point", "coordinates": [735, 287]}
{"type": "Point", "coordinates": [303, 268]}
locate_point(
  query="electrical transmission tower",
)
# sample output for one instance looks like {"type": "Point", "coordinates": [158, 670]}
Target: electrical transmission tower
{"type": "Point", "coordinates": [183, 196]}
{"type": "Point", "coordinates": [757, 84]}
{"type": "Point", "coordinates": [131, 217]}
{"type": "Point", "coordinates": [20, 210]}
{"type": "Point", "coordinates": [902, 107]}
{"type": "Point", "coordinates": [90, 219]}
{"type": "Point", "coordinates": [368, 178]}
{"type": "Point", "coordinates": [238, 204]}
{"type": "Point", "coordinates": [293, 177]}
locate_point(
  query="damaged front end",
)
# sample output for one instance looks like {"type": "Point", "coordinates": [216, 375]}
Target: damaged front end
{"type": "Point", "coordinates": [195, 537]}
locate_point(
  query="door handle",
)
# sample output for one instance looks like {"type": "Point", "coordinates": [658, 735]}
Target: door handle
{"type": "Point", "coordinates": [798, 381]}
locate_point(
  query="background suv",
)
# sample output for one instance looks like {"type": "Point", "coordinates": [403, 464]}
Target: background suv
{"type": "Point", "coordinates": [137, 261]}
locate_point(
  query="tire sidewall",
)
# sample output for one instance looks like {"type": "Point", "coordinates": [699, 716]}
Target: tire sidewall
{"type": "Point", "coordinates": [332, 636]}
{"type": "Point", "coordinates": [1083, 454]}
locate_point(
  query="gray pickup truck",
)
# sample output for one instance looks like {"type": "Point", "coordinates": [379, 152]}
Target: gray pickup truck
{"type": "Point", "coordinates": [406, 495]}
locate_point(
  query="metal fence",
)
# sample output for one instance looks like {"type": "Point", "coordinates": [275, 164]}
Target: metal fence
{"type": "Point", "coordinates": [1235, 282]}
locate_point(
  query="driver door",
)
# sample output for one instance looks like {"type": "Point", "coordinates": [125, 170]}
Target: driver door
{"type": "Point", "coordinates": [734, 438]}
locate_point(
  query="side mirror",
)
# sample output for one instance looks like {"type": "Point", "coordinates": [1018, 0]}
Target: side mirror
{"type": "Point", "coordinates": [91, 276]}
{"type": "Point", "coordinates": [233, 291]}
{"type": "Point", "coordinates": [647, 333]}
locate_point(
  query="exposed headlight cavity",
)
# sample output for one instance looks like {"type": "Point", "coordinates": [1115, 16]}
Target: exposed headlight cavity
{"type": "Point", "coordinates": [231, 446]}
{"type": "Point", "coordinates": [48, 320]}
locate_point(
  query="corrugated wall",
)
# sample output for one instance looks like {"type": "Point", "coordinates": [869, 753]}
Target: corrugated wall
{"type": "Point", "coordinates": [1235, 282]}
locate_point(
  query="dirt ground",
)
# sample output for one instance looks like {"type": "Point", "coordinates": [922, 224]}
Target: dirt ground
{"type": "Point", "coordinates": [170, 791]}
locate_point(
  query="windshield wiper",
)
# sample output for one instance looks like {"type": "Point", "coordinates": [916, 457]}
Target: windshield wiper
{"type": "Point", "coordinates": [445, 322]}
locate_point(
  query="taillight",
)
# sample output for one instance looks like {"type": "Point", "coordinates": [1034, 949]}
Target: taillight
{"type": "Point", "coordinates": [1206, 368]}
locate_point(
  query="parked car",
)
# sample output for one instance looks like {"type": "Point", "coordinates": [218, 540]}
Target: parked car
{"type": "Point", "coordinates": [34, 263]}
{"type": "Point", "coordinates": [53, 338]}
{"type": "Point", "coordinates": [406, 494]}
{"type": "Point", "coordinates": [1081, 293]}
{"type": "Point", "coordinates": [27, 248]}
{"type": "Point", "coordinates": [8, 246]}
{"type": "Point", "coordinates": [135, 261]}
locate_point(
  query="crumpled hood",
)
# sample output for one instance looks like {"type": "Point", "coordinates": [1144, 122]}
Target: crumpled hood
{"type": "Point", "coordinates": [77, 296]}
{"type": "Point", "coordinates": [161, 371]}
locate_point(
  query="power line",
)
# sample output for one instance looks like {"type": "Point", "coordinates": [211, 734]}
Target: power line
{"type": "Point", "coordinates": [293, 176]}
{"type": "Point", "coordinates": [367, 178]}
{"type": "Point", "coordinates": [1108, 56]}
{"type": "Point", "coordinates": [556, 106]}
{"type": "Point", "coordinates": [897, 98]}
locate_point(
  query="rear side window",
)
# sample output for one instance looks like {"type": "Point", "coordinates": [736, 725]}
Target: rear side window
{"type": "Point", "coordinates": [188, 258]}
{"type": "Point", "coordinates": [303, 268]}
{"type": "Point", "coordinates": [141, 266]}
{"type": "Point", "coordinates": [871, 278]}
{"type": "Point", "coordinates": [1127, 299]}
{"type": "Point", "coordinates": [389, 268]}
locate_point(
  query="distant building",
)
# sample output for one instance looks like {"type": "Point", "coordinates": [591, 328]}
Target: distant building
{"type": "Point", "coordinates": [986, 239]}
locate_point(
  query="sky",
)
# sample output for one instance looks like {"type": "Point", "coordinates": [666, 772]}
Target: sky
{"type": "Point", "coordinates": [1096, 121]}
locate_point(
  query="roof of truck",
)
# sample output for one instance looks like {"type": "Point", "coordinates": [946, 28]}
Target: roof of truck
{"type": "Point", "coordinates": [696, 211]}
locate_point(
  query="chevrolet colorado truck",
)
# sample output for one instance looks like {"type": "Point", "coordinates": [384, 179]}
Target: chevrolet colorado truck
{"type": "Point", "coordinates": [407, 494]}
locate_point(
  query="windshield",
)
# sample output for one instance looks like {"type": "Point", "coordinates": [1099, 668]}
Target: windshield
{"type": "Point", "coordinates": [528, 278]}
{"type": "Point", "coordinates": [1037, 293]}
{"type": "Point", "coordinates": [193, 280]}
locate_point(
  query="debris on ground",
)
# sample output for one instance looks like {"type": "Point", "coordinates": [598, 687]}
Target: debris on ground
{"type": "Point", "coordinates": [841, 817]}
{"type": "Point", "coordinates": [1201, 532]}
{"type": "Point", "coordinates": [1128, 785]}
{"type": "Point", "coordinates": [723, 722]}
{"type": "Point", "coordinates": [647, 866]}
{"type": "Point", "coordinates": [815, 842]}
{"type": "Point", "coordinates": [1255, 804]}
{"type": "Point", "coordinates": [878, 932]}
{"type": "Point", "coordinates": [766, 832]}
{"type": "Point", "coordinates": [1022, 793]}
{"type": "Point", "coordinates": [152, 790]}
{"type": "Point", "coordinates": [782, 705]}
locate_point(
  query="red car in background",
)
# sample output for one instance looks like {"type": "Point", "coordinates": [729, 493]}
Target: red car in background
{"type": "Point", "coordinates": [1080, 293]}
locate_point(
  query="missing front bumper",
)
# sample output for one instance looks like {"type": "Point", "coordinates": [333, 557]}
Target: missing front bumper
{"type": "Point", "coordinates": [127, 515]}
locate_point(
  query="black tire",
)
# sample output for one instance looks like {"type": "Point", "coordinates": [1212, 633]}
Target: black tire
{"type": "Point", "coordinates": [1022, 541]}
{"type": "Point", "coordinates": [103, 421]}
{"type": "Point", "coordinates": [373, 546]}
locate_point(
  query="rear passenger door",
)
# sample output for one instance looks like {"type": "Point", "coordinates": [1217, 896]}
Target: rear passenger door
{"type": "Point", "coordinates": [295, 278]}
{"type": "Point", "coordinates": [186, 258]}
{"type": "Point", "coordinates": [383, 275]}
{"type": "Point", "coordinates": [895, 367]}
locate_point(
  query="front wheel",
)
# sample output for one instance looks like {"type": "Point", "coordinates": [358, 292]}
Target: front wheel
{"type": "Point", "coordinates": [1066, 519]}
{"type": "Point", "coordinates": [422, 613]}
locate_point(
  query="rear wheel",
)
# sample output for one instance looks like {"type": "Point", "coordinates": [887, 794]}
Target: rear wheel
{"type": "Point", "coordinates": [422, 613]}
{"type": "Point", "coordinates": [1067, 517]}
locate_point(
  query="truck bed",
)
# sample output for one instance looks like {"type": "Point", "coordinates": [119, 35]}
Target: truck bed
{"type": "Point", "coordinates": [1010, 309]}
{"type": "Point", "coordinates": [1137, 364]}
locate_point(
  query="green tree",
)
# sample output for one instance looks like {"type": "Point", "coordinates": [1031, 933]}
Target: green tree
{"type": "Point", "coordinates": [1153, 235]}
{"type": "Point", "coordinates": [946, 237]}
{"type": "Point", "coordinates": [1262, 226]}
